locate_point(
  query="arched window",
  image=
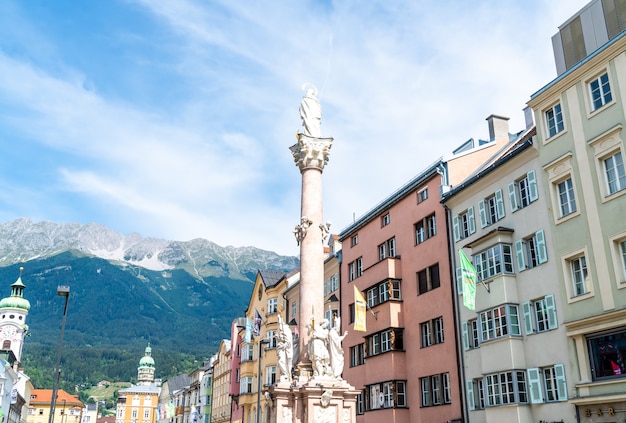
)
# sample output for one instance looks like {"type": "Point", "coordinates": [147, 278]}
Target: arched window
{"type": "Point", "coordinates": [6, 345]}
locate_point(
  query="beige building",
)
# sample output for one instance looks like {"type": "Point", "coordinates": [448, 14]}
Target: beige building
{"type": "Point", "coordinates": [221, 401]}
{"type": "Point", "coordinates": [68, 408]}
{"type": "Point", "coordinates": [580, 118]}
{"type": "Point", "coordinates": [139, 403]}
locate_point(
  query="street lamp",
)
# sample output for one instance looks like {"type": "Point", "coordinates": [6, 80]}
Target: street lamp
{"type": "Point", "coordinates": [62, 291]}
{"type": "Point", "coordinates": [262, 342]}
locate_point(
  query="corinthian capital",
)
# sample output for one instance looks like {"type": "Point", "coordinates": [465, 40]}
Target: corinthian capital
{"type": "Point", "coordinates": [311, 152]}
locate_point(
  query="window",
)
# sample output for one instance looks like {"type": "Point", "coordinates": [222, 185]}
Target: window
{"type": "Point", "coordinates": [428, 279]}
{"type": "Point", "coordinates": [475, 394]}
{"type": "Point", "coordinates": [245, 386]}
{"type": "Point", "coordinates": [247, 352]}
{"type": "Point", "coordinates": [499, 322]}
{"type": "Point", "coordinates": [422, 195]}
{"type": "Point", "coordinates": [357, 355]}
{"type": "Point", "coordinates": [547, 384]}
{"type": "Point", "coordinates": [272, 305]}
{"type": "Point", "coordinates": [387, 340]}
{"type": "Point", "coordinates": [330, 314]}
{"type": "Point", "coordinates": [464, 225]}
{"type": "Point", "coordinates": [355, 269]}
{"type": "Point", "coordinates": [294, 309]}
{"type": "Point", "coordinates": [554, 120]}
{"type": "Point", "coordinates": [271, 336]}
{"type": "Point", "coordinates": [385, 220]}
{"type": "Point", "coordinates": [506, 388]}
{"type": "Point", "coordinates": [622, 255]}
{"type": "Point", "coordinates": [270, 375]}
{"type": "Point", "coordinates": [387, 249]}
{"type": "Point", "coordinates": [331, 284]}
{"type": "Point", "coordinates": [435, 390]}
{"type": "Point", "coordinates": [491, 209]}
{"type": "Point", "coordinates": [523, 191]}
{"type": "Point", "coordinates": [470, 334]}
{"type": "Point", "coordinates": [425, 229]}
{"type": "Point", "coordinates": [539, 315]}
{"type": "Point", "coordinates": [360, 407]}
{"type": "Point", "coordinates": [390, 394]}
{"type": "Point", "coordinates": [614, 173]}
{"type": "Point", "coordinates": [146, 414]}
{"type": "Point", "coordinates": [383, 292]}
{"type": "Point", "coordinates": [432, 332]}
{"type": "Point", "coordinates": [605, 354]}
{"type": "Point", "coordinates": [493, 261]}
{"type": "Point", "coordinates": [600, 91]}
{"type": "Point", "coordinates": [354, 240]}
{"type": "Point", "coordinates": [578, 267]}
{"type": "Point", "coordinates": [567, 200]}
{"type": "Point", "coordinates": [531, 251]}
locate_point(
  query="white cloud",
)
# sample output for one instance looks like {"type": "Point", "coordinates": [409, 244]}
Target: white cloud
{"type": "Point", "coordinates": [203, 151]}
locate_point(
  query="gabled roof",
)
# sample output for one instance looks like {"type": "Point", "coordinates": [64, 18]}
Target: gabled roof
{"type": "Point", "coordinates": [271, 278]}
{"type": "Point", "coordinates": [178, 383]}
{"type": "Point", "coordinates": [44, 396]}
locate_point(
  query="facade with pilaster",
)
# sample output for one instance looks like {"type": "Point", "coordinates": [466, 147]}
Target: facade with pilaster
{"type": "Point", "coordinates": [580, 118]}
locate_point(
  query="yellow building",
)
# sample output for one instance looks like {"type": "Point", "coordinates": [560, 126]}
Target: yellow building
{"type": "Point", "coordinates": [265, 305]}
{"type": "Point", "coordinates": [68, 408]}
{"type": "Point", "coordinates": [139, 403]}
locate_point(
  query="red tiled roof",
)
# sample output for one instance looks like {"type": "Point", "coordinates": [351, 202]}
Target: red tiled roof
{"type": "Point", "coordinates": [44, 396]}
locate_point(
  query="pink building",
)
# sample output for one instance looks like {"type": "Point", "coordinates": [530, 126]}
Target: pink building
{"type": "Point", "coordinates": [236, 410]}
{"type": "Point", "coordinates": [397, 256]}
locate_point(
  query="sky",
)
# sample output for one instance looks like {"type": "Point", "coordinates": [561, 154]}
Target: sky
{"type": "Point", "coordinates": [173, 118]}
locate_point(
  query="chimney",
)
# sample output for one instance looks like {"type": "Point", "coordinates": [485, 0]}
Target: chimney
{"type": "Point", "coordinates": [529, 118]}
{"type": "Point", "coordinates": [498, 127]}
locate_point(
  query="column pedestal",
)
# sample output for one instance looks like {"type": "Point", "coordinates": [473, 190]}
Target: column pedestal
{"type": "Point", "coordinates": [322, 400]}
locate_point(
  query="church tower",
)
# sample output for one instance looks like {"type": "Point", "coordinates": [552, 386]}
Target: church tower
{"type": "Point", "coordinates": [145, 371]}
{"type": "Point", "coordinates": [13, 312]}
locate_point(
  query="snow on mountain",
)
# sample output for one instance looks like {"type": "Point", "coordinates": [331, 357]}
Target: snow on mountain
{"type": "Point", "coordinates": [24, 240]}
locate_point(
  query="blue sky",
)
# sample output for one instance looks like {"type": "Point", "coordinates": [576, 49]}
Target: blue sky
{"type": "Point", "coordinates": [173, 118]}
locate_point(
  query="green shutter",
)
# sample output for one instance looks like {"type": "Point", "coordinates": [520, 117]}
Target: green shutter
{"type": "Point", "coordinates": [499, 204]}
{"type": "Point", "coordinates": [561, 385]}
{"type": "Point", "coordinates": [535, 386]}
{"type": "Point", "coordinates": [528, 317]}
{"type": "Point", "coordinates": [542, 255]}
{"type": "Point", "coordinates": [455, 227]}
{"type": "Point", "coordinates": [553, 323]}
{"type": "Point", "coordinates": [469, 384]}
{"type": "Point", "coordinates": [459, 281]}
{"type": "Point", "coordinates": [532, 185]}
{"type": "Point", "coordinates": [519, 253]}
{"type": "Point", "coordinates": [470, 220]}
{"type": "Point", "coordinates": [465, 336]}
{"type": "Point", "coordinates": [513, 196]}
{"type": "Point", "coordinates": [482, 213]}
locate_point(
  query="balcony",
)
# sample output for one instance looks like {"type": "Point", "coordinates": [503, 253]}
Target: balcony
{"type": "Point", "coordinates": [389, 268]}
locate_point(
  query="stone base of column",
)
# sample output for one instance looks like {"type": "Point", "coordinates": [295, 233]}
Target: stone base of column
{"type": "Point", "coordinates": [320, 400]}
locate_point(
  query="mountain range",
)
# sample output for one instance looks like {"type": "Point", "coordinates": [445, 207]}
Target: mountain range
{"type": "Point", "coordinates": [126, 291]}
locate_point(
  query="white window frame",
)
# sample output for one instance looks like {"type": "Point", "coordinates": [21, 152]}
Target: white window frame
{"type": "Point", "coordinates": [491, 209]}
{"type": "Point", "coordinates": [566, 196]}
{"type": "Point", "coordinates": [524, 191]}
{"type": "Point", "coordinates": [614, 172]}
{"type": "Point", "coordinates": [540, 315]}
{"type": "Point", "coordinates": [555, 124]}
{"type": "Point", "coordinates": [618, 244]}
{"type": "Point", "coordinates": [567, 261]}
{"type": "Point", "coordinates": [531, 252]}
{"type": "Point", "coordinates": [607, 145]}
{"type": "Point", "coordinates": [500, 322]}
{"type": "Point", "coordinates": [422, 195]}
{"type": "Point", "coordinates": [272, 305]}
{"type": "Point", "coordinates": [560, 170]}
{"type": "Point", "coordinates": [464, 224]}
{"type": "Point", "coordinates": [600, 85]}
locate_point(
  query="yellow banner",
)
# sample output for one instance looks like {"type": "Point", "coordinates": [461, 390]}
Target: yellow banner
{"type": "Point", "coordinates": [359, 311]}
